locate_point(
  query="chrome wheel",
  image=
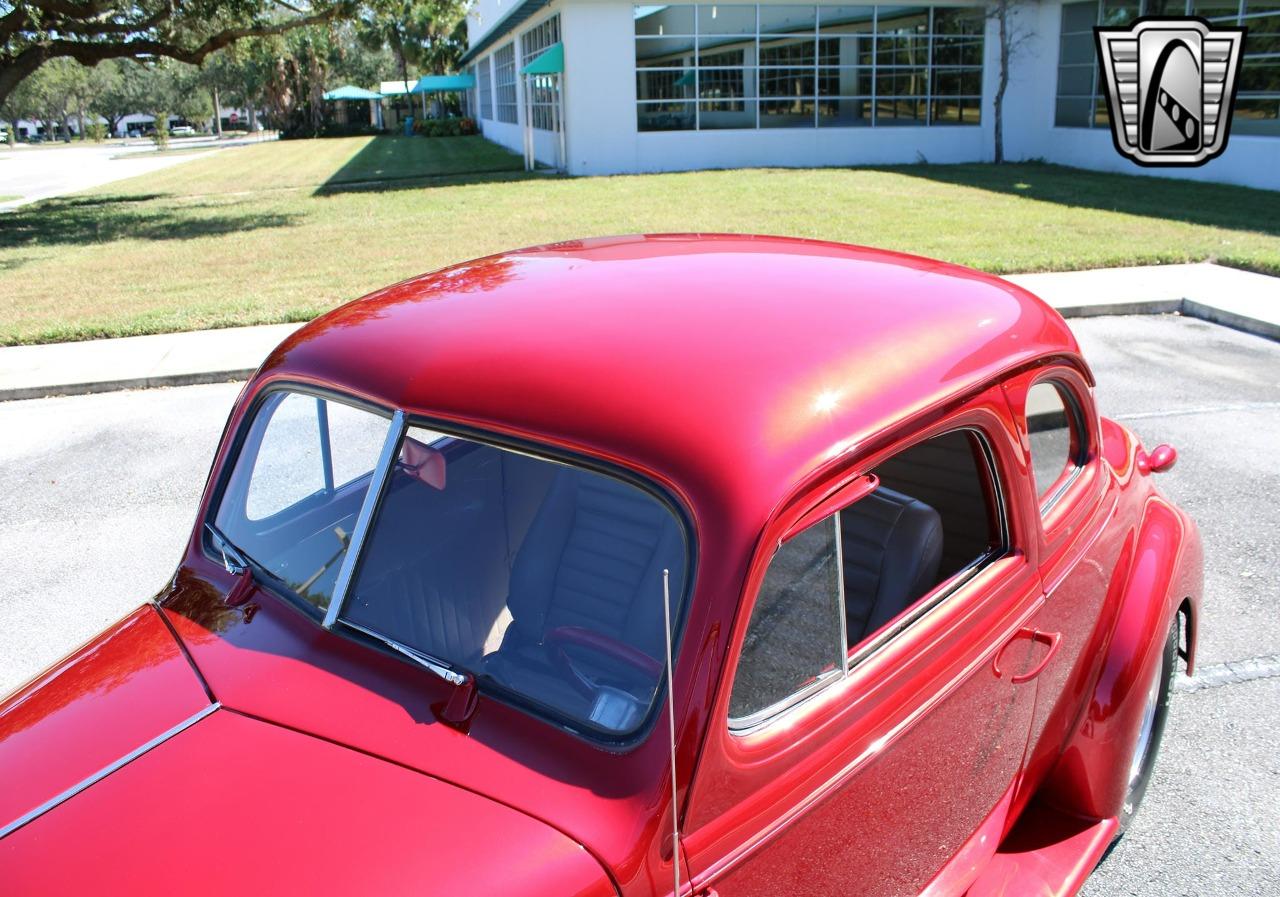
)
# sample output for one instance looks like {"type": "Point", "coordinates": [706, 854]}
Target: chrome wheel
{"type": "Point", "coordinates": [1155, 711]}
{"type": "Point", "coordinates": [1144, 732]}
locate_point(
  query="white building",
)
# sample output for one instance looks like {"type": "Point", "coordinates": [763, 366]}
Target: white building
{"type": "Point", "coordinates": [662, 88]}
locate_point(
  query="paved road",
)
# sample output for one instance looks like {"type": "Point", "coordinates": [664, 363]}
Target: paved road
{"type": "Point", "coordinates": [100, 493]}
{"type": "Point", "coordinates": [33, 173]}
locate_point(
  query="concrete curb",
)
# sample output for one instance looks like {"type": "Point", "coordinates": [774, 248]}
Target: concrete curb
{"type": "Point", "coordinates": [193, 378]}
{"type": "Point", "coordinates": [1242, 300]}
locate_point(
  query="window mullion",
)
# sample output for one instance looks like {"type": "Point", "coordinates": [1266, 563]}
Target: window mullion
{"type": "Point", "coordinates": [326, 446]}
{"type": "Point", "coordinates": [378, 480]}
{"type": "Point", "coordinates": [844, 612]}
{"type": "Point", "coordinates": [875, 66]}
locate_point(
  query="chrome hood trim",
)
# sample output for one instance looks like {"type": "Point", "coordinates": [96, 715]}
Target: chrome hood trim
{"type": "Point", "coordinates": [106, 771]}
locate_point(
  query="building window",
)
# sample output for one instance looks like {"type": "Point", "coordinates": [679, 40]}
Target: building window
{"type": "Point", "coordinates": [504, 79]}
{"type": "Point", "coordinates": [484, 84]}
{"type": "Point", "coordinates": [544, 90]}
{"type": "Point", "coordinates": [1081, 98]}
{"type": "Point", "coordinates": [711, 66]}
{"type": "Point", "coordinates": [1258, 95]}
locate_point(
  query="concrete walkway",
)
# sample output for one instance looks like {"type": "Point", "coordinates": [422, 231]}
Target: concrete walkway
{"type": "Point", "coordinates": [1239, 299]}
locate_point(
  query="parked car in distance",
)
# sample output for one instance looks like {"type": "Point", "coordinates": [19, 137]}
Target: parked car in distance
{"type": "Point", "coordinates": [813, 561]}
{"type": "Point", "coordinates": [182, 131]}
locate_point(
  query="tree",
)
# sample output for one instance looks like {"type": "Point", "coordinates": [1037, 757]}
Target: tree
{"type": "Point", "coordinates": [34, 32]}
{"type": "Point", "coordinates": [123, 93]}
{"type": "Point", "coordinates": [1011, 36]}
{"type": "Point", "coordinates": [429, 35]}
{"type": "Point", "coordinates": [172, 88]}
{"type": "Point", "coordinates": [22, 103]}
{"type": "Point", "coordinates": [51, 95]}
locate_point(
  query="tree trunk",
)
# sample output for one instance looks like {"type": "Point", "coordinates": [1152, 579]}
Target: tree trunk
{"type": "Point", "coordinates": [1003, 83]}
{"type": "Point", "coordinates": [80, 119]}
{"type": "Point", "coordinates": [217, 114]}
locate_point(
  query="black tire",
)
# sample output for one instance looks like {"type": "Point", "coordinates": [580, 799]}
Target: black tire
{"type": "Point", "coordinates": [1164, 685]}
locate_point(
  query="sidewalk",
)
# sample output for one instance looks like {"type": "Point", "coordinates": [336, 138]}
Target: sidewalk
{"type": "Point", "coordinates": [1238, 299]}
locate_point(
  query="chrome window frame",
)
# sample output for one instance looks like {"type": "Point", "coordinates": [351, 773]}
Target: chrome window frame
{"type": "Point", "coordinates": [742, 727]}
{"type": "Point", "coordinates": [1080, 458]}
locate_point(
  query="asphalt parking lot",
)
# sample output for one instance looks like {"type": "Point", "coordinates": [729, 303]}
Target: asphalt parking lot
{"type": "Point", "coordinates": [100, 494]}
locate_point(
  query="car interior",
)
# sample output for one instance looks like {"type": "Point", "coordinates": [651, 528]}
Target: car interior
{"type": "Point", "coordinates": [542, 578]}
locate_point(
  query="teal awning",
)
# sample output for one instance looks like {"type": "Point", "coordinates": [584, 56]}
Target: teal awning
{"type": "Point", "coordinates": [550, 62]}
{"type": "Point", "coordinates": [443, 83]}
{"type": "Point", "coordinates": [350, 92]}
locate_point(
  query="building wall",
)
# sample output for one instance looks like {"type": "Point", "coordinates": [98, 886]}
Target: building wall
{"type": "Point", "coordinates": [602, 135]}
{"type": "Point", "coordinates": [1249, 160]}
{"type": "Point", "coordinates": [546, 144]}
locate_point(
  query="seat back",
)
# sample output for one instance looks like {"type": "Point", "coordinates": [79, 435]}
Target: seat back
{"type": "Point", "coordinates": [892, 545]}
{"type": "Point", "coordinates": [593, 558]}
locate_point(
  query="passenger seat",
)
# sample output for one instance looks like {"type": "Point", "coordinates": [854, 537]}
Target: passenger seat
{"type": "Point", "coordinates": [892, 546]}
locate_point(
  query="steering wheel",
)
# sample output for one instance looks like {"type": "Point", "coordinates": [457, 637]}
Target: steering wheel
{"type": "Point", "coordinates": [556, 640]}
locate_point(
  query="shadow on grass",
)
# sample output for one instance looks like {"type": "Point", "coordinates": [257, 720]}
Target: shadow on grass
{"type": "Point", "coordinates": [1192, 202]}
{"type": "Point", "coordinates": [103, 219]}
{"type": "Point", "coordinates": [422, 182]}
{"type": "Point", "coordinates": [407, 163]}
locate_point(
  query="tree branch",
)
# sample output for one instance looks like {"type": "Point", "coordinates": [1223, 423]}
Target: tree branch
{"type": "Point", "coordinates": [13, 69]}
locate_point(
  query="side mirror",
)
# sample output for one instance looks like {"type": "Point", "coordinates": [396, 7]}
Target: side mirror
{"type": "Point", "coordinates": [1160, 459]}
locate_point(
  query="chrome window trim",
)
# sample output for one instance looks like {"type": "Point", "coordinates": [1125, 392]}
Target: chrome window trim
{"type": "Point", "coordinates": [961, 577]}
{"type": "Point", "coordinates": [748, 725]}
{"type": "Point", "coordinates": [1076, 420]}
{"type": "Point", "coordinates": [377, 485]}
{"type": "Point", "coordinates": [741, 725]}
{"type": "Point", "coordinates": [107, 770]}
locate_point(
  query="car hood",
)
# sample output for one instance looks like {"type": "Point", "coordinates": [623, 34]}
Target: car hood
{"type": "Point", "coordinates": [126, 688]}
{"type": "Point", "coordinates": [142, 786]}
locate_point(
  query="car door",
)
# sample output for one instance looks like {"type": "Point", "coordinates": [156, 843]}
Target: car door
{"type": "Point", "coordinates": [862, 757]}
{"type": "Point", "coordinates": [1084, 553]}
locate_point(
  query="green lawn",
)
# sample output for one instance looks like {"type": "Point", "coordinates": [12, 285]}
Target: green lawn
{"type": "Point", "coordinates": [281, 231]}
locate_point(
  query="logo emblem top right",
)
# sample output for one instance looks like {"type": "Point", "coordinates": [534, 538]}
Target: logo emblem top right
{"type": "Point", "coordinates": [1171, 85]}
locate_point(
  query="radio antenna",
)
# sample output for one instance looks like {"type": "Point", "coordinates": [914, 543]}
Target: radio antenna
{"type": "Point", "coordinates": [671, 722]}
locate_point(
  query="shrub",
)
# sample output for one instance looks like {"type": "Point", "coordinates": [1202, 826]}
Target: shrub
{"type": "Point", "coordinates": [454, 126]}
{"type": "Point", "coordinates": [97, 131]}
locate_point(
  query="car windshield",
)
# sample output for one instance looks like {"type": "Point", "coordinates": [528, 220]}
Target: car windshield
{"type": "Point", "coordinates": [543, 579]}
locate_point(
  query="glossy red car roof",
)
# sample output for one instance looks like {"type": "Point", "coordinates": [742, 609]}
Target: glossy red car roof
{"type": "Point", "coordinates": [733, 362]}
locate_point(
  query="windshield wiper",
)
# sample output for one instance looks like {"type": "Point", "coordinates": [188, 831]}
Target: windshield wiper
{"type": "Point", "coordinates": [462, 703]}
{"type": "Point", "coordinates": [233, 558]}
{"type": "Point", "coordinates": [237, 563]}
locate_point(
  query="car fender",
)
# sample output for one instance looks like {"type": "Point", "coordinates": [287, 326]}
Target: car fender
{"type": "Point", "coordinates": [1091, 777]}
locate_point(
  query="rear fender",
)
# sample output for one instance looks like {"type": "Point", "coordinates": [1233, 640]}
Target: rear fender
{"type": "Point", "coordinates": [1091, 777]}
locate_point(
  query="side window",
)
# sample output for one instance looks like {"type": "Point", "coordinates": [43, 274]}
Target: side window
{"type": "Point", "coordinates": [289, 467]}
{"type": "Point", "coordinates": [793, 640]}
{"type": "Point", "coordinates": [292, 499]}
{"type": "Point", "coordinates": [1054, 432]}
{"type": "Point", "coordinates": [856, 579]}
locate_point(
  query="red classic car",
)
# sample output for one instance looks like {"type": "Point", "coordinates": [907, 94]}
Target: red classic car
{"type": "Point", "coordinates": [732, 565]}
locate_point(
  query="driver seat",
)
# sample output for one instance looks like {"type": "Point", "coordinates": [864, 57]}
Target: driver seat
{"type": "Point", "coordinates": [593, 558]}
